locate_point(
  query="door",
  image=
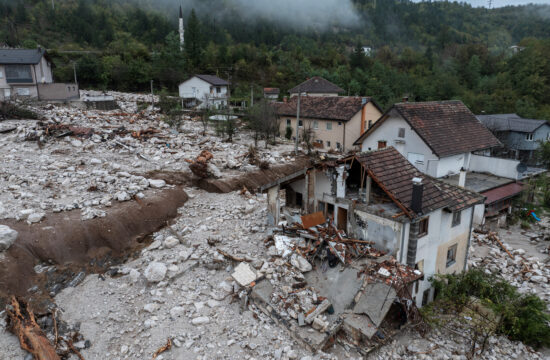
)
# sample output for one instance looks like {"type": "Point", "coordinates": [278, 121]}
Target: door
{"type": "Point", "coordinates": [342, 219]}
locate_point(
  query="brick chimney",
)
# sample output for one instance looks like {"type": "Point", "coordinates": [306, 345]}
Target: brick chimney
{"type": "Point", "coordinates": [418, 190]}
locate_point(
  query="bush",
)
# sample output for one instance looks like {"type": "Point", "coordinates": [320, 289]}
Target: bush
{"type": "Point", "coordinates": [288, 132]}
{"type": "Point", "coordinates": [523, 317]}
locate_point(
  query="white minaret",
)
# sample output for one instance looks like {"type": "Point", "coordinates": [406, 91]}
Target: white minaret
{"type": "Point", "coordinates": [181, 29]}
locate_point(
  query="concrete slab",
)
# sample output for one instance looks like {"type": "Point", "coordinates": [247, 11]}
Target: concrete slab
{"type": "Point", "coordinates": [478, 182]}
{"type": "Point", "coordinates": [375, 302]}
{"type": "Point", "coordinates": [359, 325]}
{"type": "Point", "coordinates": [339, 286]}
{"type": "Point", "coordinates": [244, 274]}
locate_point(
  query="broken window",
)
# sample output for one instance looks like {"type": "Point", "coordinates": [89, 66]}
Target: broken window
{"type": "Point", "coordinates": [456, 218]}
{"type": "Point", "coordinates": [338, 145]}
{"type": "Point", "coordinates": [401, 132]}
{"type": "Point", "coordinates": [451, 255]}
{"type": "Point", "coordinates": [328, 143]}
{"type": "Point", "coordinates": [298, 199]}
{"type": "Point", "coordinates": [423, 227]}
{"type": "Point", "coordinates": [382, 144]}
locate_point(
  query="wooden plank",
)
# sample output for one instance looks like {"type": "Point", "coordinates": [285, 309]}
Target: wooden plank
{"type": "Point", "coordinates": [312, 220]}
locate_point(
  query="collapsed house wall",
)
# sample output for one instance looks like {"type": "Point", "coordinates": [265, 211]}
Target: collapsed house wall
{"type": "Point", "coordinates": [386, 233]}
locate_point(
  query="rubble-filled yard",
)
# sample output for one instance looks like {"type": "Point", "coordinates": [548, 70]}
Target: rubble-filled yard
{"type": "Point", "coordinates": [196, 288]}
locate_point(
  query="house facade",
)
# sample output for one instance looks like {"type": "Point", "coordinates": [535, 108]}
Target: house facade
{"type": "Point", "coordinates": [438, 138]}
{"type": "Point", "coordinates": [520, 137]}
{"type": "Point", "coordinates": [379, 196]}
{"type": "Point", "coordinates": [316, 86]}
{"type": "Point", "coordinates": [271, 94]}
{"type": "Point", "coordinates": [334, 121]}
{"type": "Point", "coordinates": [21, 70]}
{"type": "Point", "coordinates": [207, 91]}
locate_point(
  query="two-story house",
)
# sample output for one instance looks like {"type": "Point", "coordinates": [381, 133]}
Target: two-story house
{"type": "Point", "coordinates": [208, 91]}
{"type": "Point", "coordinates": [444, 139]}
{"type": "Point", "coordinates": [521, 137]}
{"type": "Point", "coordinates": [271, 94]}
{"type": "Point", "coordinates": [334, 121]}
{"type": "Point", "coordinates": [316, 86]}
{"type": "Point", "coordinates": [379, 196]}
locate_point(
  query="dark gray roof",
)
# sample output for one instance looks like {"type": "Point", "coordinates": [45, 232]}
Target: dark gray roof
{"type": "Point", "coordinates": [213, 79]}
{"type": "Point", "coordinates": [510, 122]}
{"type": "Point", "coordinates": [20, 56]}
{"type": "Point", "coordinates": [316, 85]}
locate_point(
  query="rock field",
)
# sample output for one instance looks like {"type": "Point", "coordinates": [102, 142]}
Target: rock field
{"type": "Point", "coordinates": [180, 286]}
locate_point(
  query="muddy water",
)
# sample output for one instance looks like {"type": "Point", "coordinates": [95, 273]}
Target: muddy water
{"type": "Point", "coordinates": [71, 246]}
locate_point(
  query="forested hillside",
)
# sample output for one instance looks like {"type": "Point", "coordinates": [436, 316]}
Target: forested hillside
{"type": "Point", "coordinates": [427, 50]}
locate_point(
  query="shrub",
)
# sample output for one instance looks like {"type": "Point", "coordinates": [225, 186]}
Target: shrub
{"type": "Point", "coordinates": [288, 132]}
{"type": "Point", "coordinates": [523, 317]}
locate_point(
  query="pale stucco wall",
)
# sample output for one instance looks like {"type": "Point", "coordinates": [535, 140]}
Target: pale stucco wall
{"type": "Point", "coordinates": [203, 90]}
{"type": "Point", "coordinates": [41, 71]}
{"type": "Point", "coordinates": [342, 132]}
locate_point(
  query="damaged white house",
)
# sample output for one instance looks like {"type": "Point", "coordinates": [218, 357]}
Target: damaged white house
{"type": "Point", "coordinates": [381, 197]}
{"type": "Point", "coordinates": [444, 139]}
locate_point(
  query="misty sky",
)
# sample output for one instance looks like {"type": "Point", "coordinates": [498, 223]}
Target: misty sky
{"type": "Point", "coordinates": [499, 3]}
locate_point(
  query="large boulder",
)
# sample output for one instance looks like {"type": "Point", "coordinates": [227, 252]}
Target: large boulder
{"type": "Point", "coordinates": [155, 272]}
{"type": "Point", "coordinates": [7, 237]}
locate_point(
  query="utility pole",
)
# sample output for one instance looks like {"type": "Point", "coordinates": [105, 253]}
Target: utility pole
{"type": "Point", "coordinates": [74, 70]}
{"type": "Point", "coordinates": [297, 122]}
{"type": "Point", "coordinates": [152, 95]}
{"type": "Point", "coordinates": [251, 95]}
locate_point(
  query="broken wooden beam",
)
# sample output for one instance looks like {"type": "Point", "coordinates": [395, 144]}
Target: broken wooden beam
{"type": "Point", "coordinates": [31, 338]}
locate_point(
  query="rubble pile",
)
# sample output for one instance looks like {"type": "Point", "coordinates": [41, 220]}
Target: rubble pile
{"type": "Point", "coordinates": [75, 158]}
{"type": "Point", "coordinates": [527, 273]}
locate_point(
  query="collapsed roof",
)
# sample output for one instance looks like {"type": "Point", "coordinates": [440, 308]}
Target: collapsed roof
{"type": "Point", "coordinates": [394, 174]}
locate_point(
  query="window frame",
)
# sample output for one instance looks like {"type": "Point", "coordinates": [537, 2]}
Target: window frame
{"type": "Point", "coordinates": [452, 251]}
{"type": "Point", "coordinates": [18, 80]}
{"type": "Point", "coordinates": [529, 137]}
{"type": "Point", "coordinates": [315, 124]}
{"type": "Point", "coordinates": [300, 123]}
{"type": "Point", "coordinates": [382, 144]}
{"type": "Point", "coordinates": [329, 125]}
{"type": "Point", "coordinates": [456, 218]}
{"type": "Point", "coordinates": [328, 143]}
{"type": "Point", "coordinates": [288, 123]}
{"type": "Point", "coordinates": [423, 227]}
{"type": "Point", "coordinates": [401, 133]}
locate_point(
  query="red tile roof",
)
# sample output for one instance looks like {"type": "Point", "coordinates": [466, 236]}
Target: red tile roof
{"type": "Point", "coordinates": [502, 192]}
{"type": "Point", "coordinates": [394, 174]}
{"type": "Point", "coordinates": [447, 127]}
{"type": "Point", "coordinates": [316, 85]}
{"type": "Point", "coordinates": [271, 91]}
{"type": "Point", "coordinates": [341, 108]}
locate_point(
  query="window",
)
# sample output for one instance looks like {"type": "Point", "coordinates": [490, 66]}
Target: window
{"type": "Point", "coordinates": [300, 123]}
{"type": "Point", "coordinates": [451, 255]}
{"type": "Point", "coordinates": [288, 122]}
{"type": "Point", "coordinates": [328, 143]}
{"type": "Point", "coordinates": [218, 90]}
{"type": "Point", "coordinates": [329, 125]}
{"type": "Point", "coordinates": [401, 132]}
{"type": "Point", "coordinates": [456, 218]}
{"type": "Point", "coordinates": [529, 137]}
{"type": "Point", "coordinates": [339, 123]}
{"type": "Point", "coordinates": [381, 144]}
{"type": "Point", "coordinates": [18, 74]}
{"type": "Point", "coordinates": [423, 227]}
{"type": "Point", "coordinates": [23, 91]}
{"type": "Point", "coordinates": [338, 145]}
{"type": "Point", "coordinates": [316, 124]}
{"type": "Point", "coordinates": [370, 123]}
{"type": "Point", "coordinates": [415, 158]}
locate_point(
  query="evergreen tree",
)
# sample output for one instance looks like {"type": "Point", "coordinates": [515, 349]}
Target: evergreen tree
{"type": "Point", "coordinates": [193, 42]}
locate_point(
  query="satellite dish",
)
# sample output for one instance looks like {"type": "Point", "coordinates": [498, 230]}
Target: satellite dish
{"type": "Point", "coordinates": [521, 167]}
